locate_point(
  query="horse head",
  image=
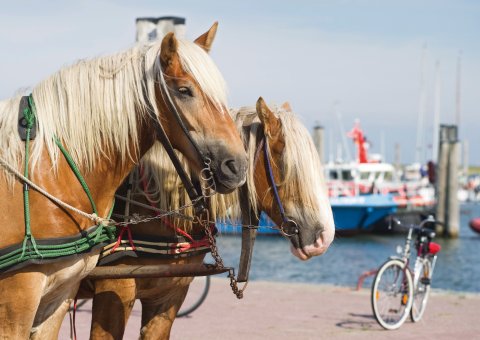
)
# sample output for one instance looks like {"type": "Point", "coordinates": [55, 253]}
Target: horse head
{"type": "Point", "coordinates": [307, 217]}
{"type": "Point", "coordinates": [192, 88]}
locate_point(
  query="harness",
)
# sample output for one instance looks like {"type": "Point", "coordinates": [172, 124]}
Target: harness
{"type": "Point", "coordinates": [288, 227]}
{"type": "Point", "coordinates": [195, 194]}
{"type": "Point", "coordinates": [176, 246]}
{"type": "Point", "coordinates": [47, 250]}
{"type": "Point", "coordinates": [33, 251]}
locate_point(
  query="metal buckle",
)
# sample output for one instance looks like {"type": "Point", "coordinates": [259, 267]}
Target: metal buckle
{"type": "Point", "coordinates": [288, 225]}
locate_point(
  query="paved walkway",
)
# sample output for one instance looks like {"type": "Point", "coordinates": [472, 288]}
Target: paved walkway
{"type": "Point", "coordinates": [300, 311]}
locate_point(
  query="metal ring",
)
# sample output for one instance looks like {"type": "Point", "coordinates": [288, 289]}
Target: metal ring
{"type": "Point", "coordinates": [288, 223]}
{"type": "Point", "coordinates": [206, 176]}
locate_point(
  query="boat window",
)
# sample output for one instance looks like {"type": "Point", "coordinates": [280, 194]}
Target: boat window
{"type": "Point", "coordinates": [388, 176]}
{"type": "Point", "coordinates": [364, 175]}
{"type": "Point", "coordinates": [333, 174]}
{"type": "Point", "coordinates": [347, 175]}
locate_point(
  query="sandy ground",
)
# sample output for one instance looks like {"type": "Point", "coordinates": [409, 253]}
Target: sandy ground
{"type": "Point", "coordinates": [273, 310]}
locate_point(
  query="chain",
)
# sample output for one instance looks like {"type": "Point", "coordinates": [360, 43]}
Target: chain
{"type": "Point", "coordinates": [137, 220]}
{"type": "Point", "coordinates": [218, 259]}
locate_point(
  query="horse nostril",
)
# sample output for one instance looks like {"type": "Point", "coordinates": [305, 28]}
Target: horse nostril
{"type": "Point", "coordinates": [230, 167]}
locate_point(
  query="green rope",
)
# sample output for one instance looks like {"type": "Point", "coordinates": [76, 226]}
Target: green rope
{"type": "Point", "coordinates": [29, 249]}
{"type": "Point", "coordinates": [77, 173]}
{"type": "Point", "coordinates": [29, 240]}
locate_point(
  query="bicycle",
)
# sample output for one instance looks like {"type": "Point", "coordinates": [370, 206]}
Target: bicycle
{"type": "Point", "coordinates": [397, 290]}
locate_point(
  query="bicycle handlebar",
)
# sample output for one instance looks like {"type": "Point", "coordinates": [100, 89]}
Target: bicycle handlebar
{"type": "Point", "coordinates": [419, 227]}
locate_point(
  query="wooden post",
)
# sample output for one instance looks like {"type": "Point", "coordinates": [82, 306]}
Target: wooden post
{"type": "Point", "coordinates": [318, 133]}
{"type": "Point", "coordinates": [453, 218]}
{"type": "Point", "coordinates": [448, 211]}
{"type": "Point", "coordinates": [442, 170]}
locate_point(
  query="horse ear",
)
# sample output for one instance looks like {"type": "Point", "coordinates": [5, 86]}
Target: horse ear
{"type": "Point", "coordinates": [271, 124]}
{"type": "Point", "coordinates": [205, 41]}
{"type": "Point", "coordinates": [168, 49]}
{"type": "Point", "coordinates": [286, 106]}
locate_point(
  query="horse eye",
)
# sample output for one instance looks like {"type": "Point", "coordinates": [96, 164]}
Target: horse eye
{"type": "Point", "coordinates": [185, 91]}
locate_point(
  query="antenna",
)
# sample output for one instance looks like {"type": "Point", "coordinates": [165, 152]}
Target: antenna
{"type": "Point", "coordinates": [343, 133]}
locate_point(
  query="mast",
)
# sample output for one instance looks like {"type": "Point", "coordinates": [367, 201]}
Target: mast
{"type": "Point", "coordinates": [383, 151]}
{"type": "Point", "coordinates": [421, 108]}
{"type": "Point", "coordinates": [458, 89]}
{"type": "Point", "coordinates": [436, 112]}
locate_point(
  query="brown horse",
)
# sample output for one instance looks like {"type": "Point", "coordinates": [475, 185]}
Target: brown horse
{"type": "Point", "coordinates": [301, 187]}
{"type": "Point", "coordinates": [104, 112]}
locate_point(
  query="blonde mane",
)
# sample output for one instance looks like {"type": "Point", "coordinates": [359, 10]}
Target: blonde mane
{"type": "Point", "coordinates": [302, 182]}
{"type": "Point", "coordinates": [156, 180]}
{"type": "Point", "coordinates": [92, 106]}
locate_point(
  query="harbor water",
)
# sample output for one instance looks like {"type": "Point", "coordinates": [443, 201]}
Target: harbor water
{"type": "Point", "coordinates": [457, 267]}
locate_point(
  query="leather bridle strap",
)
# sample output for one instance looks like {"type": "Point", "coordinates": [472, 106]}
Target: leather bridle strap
{"type": "Point", "coordinates": [286, 222]}
{"type": "Point", "coordinates": [195, 196]}
{"type": "Point", "coordinates": [250, 220]}
{"type": "Point", "coordinates": [249, 233]}
{"type": "Point", "coordinates": [171, 106]}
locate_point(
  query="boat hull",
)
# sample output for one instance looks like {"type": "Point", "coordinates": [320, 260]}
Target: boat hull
{"type": "Point", "coordinates": [352, 215]}
{"type": "Point", "coordinates": [359, 214]}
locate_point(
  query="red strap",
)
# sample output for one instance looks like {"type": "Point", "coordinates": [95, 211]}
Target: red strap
{"type": "Point", "coordinates": [74, 314]}
{"type": "Point", "coordinates": [185, 246]}
{"type": "Point", "coordinates": [120, 237]}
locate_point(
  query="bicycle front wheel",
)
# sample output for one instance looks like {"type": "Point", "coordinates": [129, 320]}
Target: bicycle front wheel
{"type": "Point", "coordinates": [197, 293]}
{"type": "Point", "coordinates": [422, 290]}
{"type": "Point", "coordinates": [392, 293]}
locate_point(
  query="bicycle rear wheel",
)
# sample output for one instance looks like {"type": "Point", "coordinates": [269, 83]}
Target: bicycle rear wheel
{"type": "Point", "coordinates": [392, 293]}
{"type": "Point", "coordinates": [197, 293]}
{"type": "Point", "coordinates": [422, 290]}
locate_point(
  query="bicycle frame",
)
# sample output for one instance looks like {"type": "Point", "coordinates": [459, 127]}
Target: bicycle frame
{"type": "Point", "coordinates": [412, 283]}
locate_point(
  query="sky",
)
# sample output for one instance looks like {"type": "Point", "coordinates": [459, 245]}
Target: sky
{"type": "Point", "coordinates": [333, 61]}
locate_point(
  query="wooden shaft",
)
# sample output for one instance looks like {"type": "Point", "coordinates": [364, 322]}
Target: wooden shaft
{"type": "Point", "coordinates": [153, 271]}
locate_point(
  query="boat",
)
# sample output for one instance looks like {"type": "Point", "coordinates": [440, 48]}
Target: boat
{"type": "Point", "coordinates": [360, 214]}
{"type": "Point", "coordinates": [352, 215]}
{"type": "Point", "coordinates": [265, 227]}
{"type": "Point", "coordinates": [365, 194]}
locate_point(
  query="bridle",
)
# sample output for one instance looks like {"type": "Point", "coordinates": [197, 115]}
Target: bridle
{"type": "Point", "coordinates": [249, 233]}
{"type": "Point", "coordinates": [195, 192]}
{"type": "Point", "coordinates": [286, 222]}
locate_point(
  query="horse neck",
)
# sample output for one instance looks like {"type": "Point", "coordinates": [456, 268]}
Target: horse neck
{"type": "Point", "coordinates": [111, 170]}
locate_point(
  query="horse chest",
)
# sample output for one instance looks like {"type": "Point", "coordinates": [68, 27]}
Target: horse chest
{"type": "Point", "coordinates": [59, 277]}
